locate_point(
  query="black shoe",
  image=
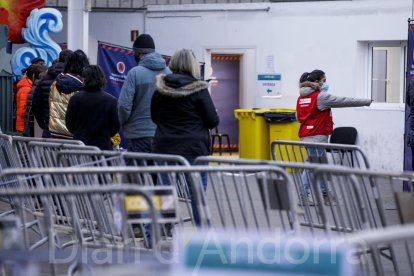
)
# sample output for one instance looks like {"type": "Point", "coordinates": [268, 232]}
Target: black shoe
{"type": "Point", "coordinates": [137, 229]}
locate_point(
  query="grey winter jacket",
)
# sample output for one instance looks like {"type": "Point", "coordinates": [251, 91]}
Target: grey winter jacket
{"type": "Point", "coordinates": [135, 97]}
{"type": "Point", "coordinates": [326, 100]}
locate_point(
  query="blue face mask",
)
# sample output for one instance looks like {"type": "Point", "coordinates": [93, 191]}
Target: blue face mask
{"type": "Point", "coordinates": [324, 87]}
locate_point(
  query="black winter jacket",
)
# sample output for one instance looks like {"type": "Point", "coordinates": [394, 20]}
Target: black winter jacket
{"type": "Point", "coordinates": [184, 113]}
{"type": "Point", "coordinates": [41, 95]}
{"type": "Point", "coordinates": [28, 115]}
{"type": "Point", "coordinates": [92, 117]}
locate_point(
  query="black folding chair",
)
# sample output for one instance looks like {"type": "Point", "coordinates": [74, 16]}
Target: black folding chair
{"type": "Point", "coordinates": [344, 135]}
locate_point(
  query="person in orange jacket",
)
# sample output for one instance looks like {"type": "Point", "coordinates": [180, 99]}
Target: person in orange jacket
{"type": "Point", "coordinates": [23, 90]}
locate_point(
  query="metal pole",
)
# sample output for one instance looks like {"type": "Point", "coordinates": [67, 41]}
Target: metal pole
{"type": "Point", "coordinates": [412, 9]}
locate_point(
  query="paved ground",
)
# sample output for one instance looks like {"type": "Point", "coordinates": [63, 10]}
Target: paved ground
{"type": "Point", "coordinates": [240, 205]}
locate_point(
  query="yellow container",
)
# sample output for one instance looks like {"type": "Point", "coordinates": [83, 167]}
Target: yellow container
{"type": "Point", "coordinates": [284, 130]}
{"type": "Point", "coordinates": [253, 134]}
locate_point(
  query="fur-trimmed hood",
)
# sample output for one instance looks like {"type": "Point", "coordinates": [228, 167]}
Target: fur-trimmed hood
{"type": "Point", "coordinates": [308, 87]}
{"type": "Point", "coordinates": [178, 85]}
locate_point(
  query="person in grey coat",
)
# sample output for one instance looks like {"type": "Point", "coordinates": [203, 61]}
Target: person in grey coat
{"type": "Point", "coordinates": [135, 98]}
{"type": "Point", "coordinates": [313, 111]}
{"type": "Point", "coordinates": [313, 108]}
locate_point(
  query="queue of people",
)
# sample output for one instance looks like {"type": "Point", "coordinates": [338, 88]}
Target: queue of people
{"type": "Point", "coordinates": [161, 109]}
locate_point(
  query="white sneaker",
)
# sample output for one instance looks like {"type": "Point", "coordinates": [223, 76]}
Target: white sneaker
{"type": "Point", "coordinates": [306, 200]}
{"type": "Point", "coordinates": [329, 199]}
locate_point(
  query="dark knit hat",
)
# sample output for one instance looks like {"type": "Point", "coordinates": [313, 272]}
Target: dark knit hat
{"type": "Point", "coordinates": [38, 59]}
{"type": "Point", "coordinates": [144, 44]}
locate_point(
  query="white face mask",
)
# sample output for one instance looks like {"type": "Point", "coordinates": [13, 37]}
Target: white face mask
{"type": "Point", "coordinates": [324, 87]}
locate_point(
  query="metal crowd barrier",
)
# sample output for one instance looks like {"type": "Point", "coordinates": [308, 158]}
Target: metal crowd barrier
{"type": "Point", "coordinates": [73, 158]}
{"type": "Point", "coordinates": [87, 219]}
{"type": "Point", "coordinates": [22, 148]}
{"type": "Point", "coordinates": [319, 153]}
{"type": "Point", "coordinates": [255, 198]}
{"type": "Point", "coordinates": [8, 157]}
{"type": "Point", "coordinates": [381, 201]}
{"type": "Point", "coordinates": [370, 244]}
{"type": "Point", "coordinates": [364, 199]}
{"type": "Point", "coordinates": [43, 154]}
{"type": "Point", "coordinates": [264, 201]}
{"type": "Point", "coordinates": [312, 214]}
{"type": "Point", "coordinates": [101, 230]}
{"type": "Point", "coordinates": [381, 192]}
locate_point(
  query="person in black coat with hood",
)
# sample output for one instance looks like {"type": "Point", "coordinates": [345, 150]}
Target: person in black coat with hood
{"type": "Point", "coordinates": [40, 103]}
{"type": "Point", "coordinates": [184, 112]}
{"type": "Point", "coordinates": [92, 114]}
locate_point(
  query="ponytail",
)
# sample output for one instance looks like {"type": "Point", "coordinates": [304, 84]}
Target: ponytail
{"type": "Point", "coordinates": [304, 77]}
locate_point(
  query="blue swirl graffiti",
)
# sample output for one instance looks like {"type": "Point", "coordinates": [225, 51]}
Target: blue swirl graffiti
{"type": "Point", "coordinates": [39, 24]}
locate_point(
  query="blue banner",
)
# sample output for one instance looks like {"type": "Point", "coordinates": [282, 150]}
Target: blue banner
{"type": "Point", "coordinates": [115, 61]}
{"type": "Point", "coordinates": [409, 78]}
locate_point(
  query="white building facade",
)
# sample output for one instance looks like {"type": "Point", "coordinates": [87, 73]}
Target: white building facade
{"type": "Point", "coordinates": [360, 44]}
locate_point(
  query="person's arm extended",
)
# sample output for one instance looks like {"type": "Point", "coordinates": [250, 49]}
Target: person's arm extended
{"type": "Point", "coordinates": [326, 100]}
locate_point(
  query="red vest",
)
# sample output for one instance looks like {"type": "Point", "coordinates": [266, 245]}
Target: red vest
{"type": "Point", "coordinates": [312, 120]}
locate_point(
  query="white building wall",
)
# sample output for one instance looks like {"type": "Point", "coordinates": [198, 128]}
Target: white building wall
{"type": "Point", "coordinates": [301, 36]}
{"type": "Point", "coordinates": [111, 27]}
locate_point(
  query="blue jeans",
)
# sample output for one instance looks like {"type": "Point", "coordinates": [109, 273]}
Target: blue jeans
{"type": "Point", "coordinates": [140, 144]}
{"type": "Point", "coordinates": [204, 180]}
{"type": "Point", "coordinates": [307, 175]}
{"type": "Point", "coordinates": [165, 181]}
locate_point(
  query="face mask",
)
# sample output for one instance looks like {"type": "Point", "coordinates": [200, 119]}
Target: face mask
{"type": "Point", "coordinates": [324, 87]}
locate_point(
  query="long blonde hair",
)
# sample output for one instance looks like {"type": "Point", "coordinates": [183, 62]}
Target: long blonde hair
{"type": "Point", "coordinates": [184, 61]}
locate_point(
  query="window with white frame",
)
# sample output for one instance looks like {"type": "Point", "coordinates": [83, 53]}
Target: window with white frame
{"type": "Point", "coordinates": [387, 71]}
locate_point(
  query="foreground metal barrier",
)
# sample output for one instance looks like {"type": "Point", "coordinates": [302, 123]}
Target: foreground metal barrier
{"type": "Point", "coordinates": [319, 153]}
{"type": "Point", "coordinates": [370, 245]}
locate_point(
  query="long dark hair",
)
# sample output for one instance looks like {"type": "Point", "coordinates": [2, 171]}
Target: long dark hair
{"type": "Point", "coordinates": [93, 78]}
{"type": "Point", "coordinates": [76, 62]}
{"type": "Point", "coordinates": [35, 70]}
{"type": "Point", "coordinates": [314, 76]}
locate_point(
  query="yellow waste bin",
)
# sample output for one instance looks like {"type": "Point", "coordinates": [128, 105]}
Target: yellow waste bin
{"type": "Point", "coordinates": [283, 126]}
{"type": "Point", "coordinates": [253, 134]}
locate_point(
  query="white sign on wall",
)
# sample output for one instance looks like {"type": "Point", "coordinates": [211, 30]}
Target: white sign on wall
{"type": "Point", "coordinates": [269, 85]}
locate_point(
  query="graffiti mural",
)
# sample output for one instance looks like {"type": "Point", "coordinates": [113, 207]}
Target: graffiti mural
{"type": "Point", "coordinates": [39, 24]}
